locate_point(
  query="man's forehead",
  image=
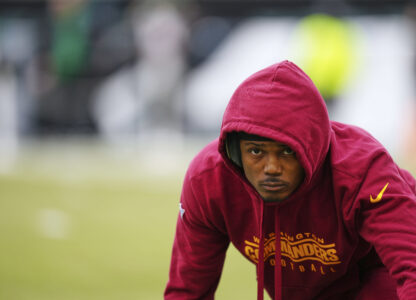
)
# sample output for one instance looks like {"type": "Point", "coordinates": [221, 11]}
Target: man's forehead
{"type": "Point", "coordinates": [246, 138]}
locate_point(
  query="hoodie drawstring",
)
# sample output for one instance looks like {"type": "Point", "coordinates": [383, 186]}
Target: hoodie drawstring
{"type": "Point", "coordinates": [277, 257]}
{"type": "Point", "coordinates": [260, 264]}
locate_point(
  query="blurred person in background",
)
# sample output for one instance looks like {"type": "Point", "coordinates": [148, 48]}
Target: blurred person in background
{"type": "Point", "coordinates": [82, 42]}
{"type": "Point", "coordinates": [325, 47]}
{"type": "Point", "coordinates": [145, 98]}
{"type": "Point", "coordinates": [18, 45]}
{"type": "Point", "coordinates": [61, 64]}
{"type": "Point", "coordinates": [319, 206]}
{"type": "Point", "coordinates": [8, 112]}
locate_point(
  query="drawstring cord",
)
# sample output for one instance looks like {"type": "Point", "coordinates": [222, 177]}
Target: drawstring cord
{"type": "Point", "coordinates": [277, 257]}
{"type": "Point", "coordinates": [260, 264]}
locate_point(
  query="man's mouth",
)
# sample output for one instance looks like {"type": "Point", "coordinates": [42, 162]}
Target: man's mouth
{"type": "Point", "coordinates": [274, 185]}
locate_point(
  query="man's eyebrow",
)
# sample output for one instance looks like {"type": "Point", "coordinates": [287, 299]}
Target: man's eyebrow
{"type": "Point", "coordinates": [248, 143]}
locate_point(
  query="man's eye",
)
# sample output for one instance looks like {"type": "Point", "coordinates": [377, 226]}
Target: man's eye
{"type": "Point", "coordinates": [255, 151]}
{"type": "Point", "coordinates": [288, 151]}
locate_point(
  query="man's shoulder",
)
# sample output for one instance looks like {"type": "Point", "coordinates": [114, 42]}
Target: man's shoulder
{"type": "Point", "coordinates": [353, 149]}
{"type": "Point", "coordinates": [353, 135]}
{"type": "Point", "coordinates": [208, 159]}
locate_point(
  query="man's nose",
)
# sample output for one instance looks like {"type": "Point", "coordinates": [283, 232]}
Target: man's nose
{"type": "Point", "coordinates": [273, 166]}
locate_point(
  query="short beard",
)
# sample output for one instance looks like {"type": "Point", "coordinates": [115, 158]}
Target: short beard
{"type": "Point", "coordinates": [270, 199]}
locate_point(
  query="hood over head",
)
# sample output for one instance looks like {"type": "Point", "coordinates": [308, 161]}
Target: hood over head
{"type": "Point", "coordinates": [281, 103]}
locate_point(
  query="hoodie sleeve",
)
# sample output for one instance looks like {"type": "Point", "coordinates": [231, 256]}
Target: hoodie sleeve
{"type": "Point", "coordinates": [198, 251]}
{"type": "Point", "coordinates": [387, 220]}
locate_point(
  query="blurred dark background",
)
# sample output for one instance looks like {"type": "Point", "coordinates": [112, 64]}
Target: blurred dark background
{"type": "Point", "coordinates": [120, 69]}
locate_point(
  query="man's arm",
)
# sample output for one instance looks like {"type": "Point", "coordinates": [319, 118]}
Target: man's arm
{"type": "Point", "coordinates": [198, 252]}
{"type": "Point", "coordinates": [387, 219]}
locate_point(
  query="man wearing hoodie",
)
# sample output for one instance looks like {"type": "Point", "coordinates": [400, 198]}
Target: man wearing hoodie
{"type": "Point", "coordinates": [319, 206]}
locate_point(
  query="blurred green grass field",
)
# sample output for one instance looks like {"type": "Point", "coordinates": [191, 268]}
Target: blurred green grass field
{"type": "Point", "coordinates": [80, 220]}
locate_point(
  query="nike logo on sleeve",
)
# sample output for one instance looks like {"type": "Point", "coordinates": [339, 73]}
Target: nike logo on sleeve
{"type": "Point", "coordinates": [379, 196]}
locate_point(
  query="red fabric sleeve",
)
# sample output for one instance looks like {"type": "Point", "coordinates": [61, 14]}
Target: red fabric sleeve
{"type": "Point", "coordinates": [198, 252]}
{"type": "Point", "coordinates": [387, 219]}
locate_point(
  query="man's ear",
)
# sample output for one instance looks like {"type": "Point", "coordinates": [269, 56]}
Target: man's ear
{"type": "Point", "coordinates": [232, 145]}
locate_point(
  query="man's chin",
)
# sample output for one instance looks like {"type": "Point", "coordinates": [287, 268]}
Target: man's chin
{"type": "Point", "coordinates": [273, 198]}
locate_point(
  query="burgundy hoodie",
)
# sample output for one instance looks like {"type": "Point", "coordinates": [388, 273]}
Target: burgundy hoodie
{"type": "Point", "coordinates": [347, 232]}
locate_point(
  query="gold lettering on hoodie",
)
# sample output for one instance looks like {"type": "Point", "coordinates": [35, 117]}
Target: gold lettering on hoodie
{"type": "Point", "coordinates": [309, 249]}
{"type": "Point", "coordinates": [297, 248]}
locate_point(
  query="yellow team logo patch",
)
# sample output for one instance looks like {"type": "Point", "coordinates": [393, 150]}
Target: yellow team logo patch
{"type": "Point", "coordinates": [379, 196]}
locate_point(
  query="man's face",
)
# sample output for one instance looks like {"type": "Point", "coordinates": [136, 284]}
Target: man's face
{"type": "Point", "coordinates": [272, 168]}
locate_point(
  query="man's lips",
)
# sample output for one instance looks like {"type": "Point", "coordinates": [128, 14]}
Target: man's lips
{"type": "Point", "coordinates": [273, 185]}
